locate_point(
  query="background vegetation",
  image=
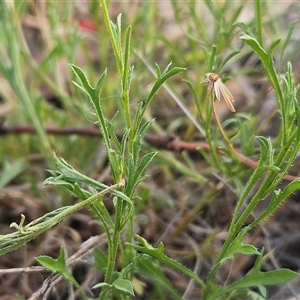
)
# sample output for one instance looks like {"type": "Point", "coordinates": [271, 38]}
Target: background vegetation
{"type": "Point", "coordinates": [199, 192]}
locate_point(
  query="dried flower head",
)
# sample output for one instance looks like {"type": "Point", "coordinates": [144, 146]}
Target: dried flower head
{"type": "Point", "coordinates": [215, 84]}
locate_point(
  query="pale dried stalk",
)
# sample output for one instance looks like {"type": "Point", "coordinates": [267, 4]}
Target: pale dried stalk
{"type": "Point", "coordinates": [216, 87]}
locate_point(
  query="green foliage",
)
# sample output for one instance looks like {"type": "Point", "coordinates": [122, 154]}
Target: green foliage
{"type": "Point", "coordinates": [159, 255]}
{"type": "Point", "coordinates": [59, 266]}
{"type": "Point", "coordinates": [10, 171]}
{"type": "Point", "coordinates": [256, 278]}
{"type": "Point", "coordinates": [128, 158]}
{"type": "Point", "coordinates": [272, 166]}
{"type": "Point", "coordinates": [25, 233]}
{"type": "Point", "coordinates": [11, 68]}
{"type": "Point", "coordinates": [146, 266]}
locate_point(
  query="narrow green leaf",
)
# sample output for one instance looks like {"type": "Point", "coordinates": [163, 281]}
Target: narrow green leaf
{"type": "Point", "coordinates": [124, 142]}
{"type": "Point", "coordinates": [59, 266]}
{"type": "Point", "coordinates": [237, 247]}
{"type": "Point", "coordinates": [68, 174]}
{"type": "Point", "coordinates": [227, 58]}
{"type": "Point", "coordinates": [267, 61]}
{"type": "Point", "coordinates": [158, 72]}
{"type": "Point", "coordinates": [278, 197]}
{"type": "Point", "coordinates": [172, 72]}
{"type": "Point", "coordinates": [11, 171]}
{"type": "Point", "coordinates": [114, 30]}
{"type": "Point", "coordinates": [86, 87]}
{"type": "Point", "coordinates": [123, 285]}
{"type": "Point", "coordinates": [159, 82]}
{"type": "Point", "coordinates": [48, 263]}
{"type": "Point", "coordinates": [158, 254]}
{"type": "Point", "coordinates": [100, 285]}
{"type": "Point", "coordinates": [80, 87]}
{"type": "Point", "coordinates": [212, 56]}
{"type": "Point", "coordinates": [205, 53]}
{"type": "Point", "coordinates": [266, 158]}
{"type": "Point", "coordinates": [244, 27]}
{"type": "Point", "coordinates": [115, 161]}
{"type": "Point", "coordinates": [136, 172]}
{"type": "Point", "coordinates": [287, 39]}
{"type": "Point", "coordinates": [191, 88]}
{"type": "Point", "coordinates": [166, 70]}
{"type": "Point", "coordinates": [256, 278]}
{"type": "Point", "coordinates": [100, 82]}
{"type": "Point", "coordinates": [253, 43]}
{"type": "Point", "coordinates": [262, 279]}
{"type": "Point", "coordinates": [100, 260]}
{"type": "Point", "coordinates": [127, 72]}
{"type": "Point", "coordinates": [55, 265]}
{"type": "Point", "coordinates": [273, 45]}
{"type": "Point", "coordinates": [112, 135]}
{"type": "Point", "coordinates": [24, 234]}
{"type": "Point", "coordinates": [150, 268]}
{"type": "Point", "coordinates": [119, 29]}
{"type": "Point", "coordinates": [139, 140]}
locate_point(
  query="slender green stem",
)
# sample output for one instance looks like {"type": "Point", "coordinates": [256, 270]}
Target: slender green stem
{"type": "Point", "coordinates": [104, 223]}
{"type": "Point", "coordinates": [112, 254]}
{"type": "Point", "coordinates": [112, 251]}
{"type": "Point", "coordinates": [216, 267]}
{"type": "Point", "coordinates": [259, 25]}
{"type": "Point", "coordinates": [124, 71]}
{"type": "Point", "coordinates": [259, 196]}
{"type": "Point", "coordinates": [123, 63]}
{"type": "Point", "coordinates": [112, 36]}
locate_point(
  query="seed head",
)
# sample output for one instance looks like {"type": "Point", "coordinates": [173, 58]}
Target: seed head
{"type": "Point", "coordinates": [215, 84]}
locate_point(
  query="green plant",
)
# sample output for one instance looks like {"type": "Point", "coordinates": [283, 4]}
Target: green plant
{"type": "Point", "coordinates": [13, 71]}
{"type": "Point", "coordinates": [274, 162]}
{"type": "Point", "coordinates": [128, 164]}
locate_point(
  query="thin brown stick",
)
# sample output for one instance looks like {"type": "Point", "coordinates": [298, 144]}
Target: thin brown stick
{"type": "Point", "coordinates": [26, 270]}
{"type": "Point", "coordinates": [169, 142]}
{"type": "Point", "coordinates": [29, 129]}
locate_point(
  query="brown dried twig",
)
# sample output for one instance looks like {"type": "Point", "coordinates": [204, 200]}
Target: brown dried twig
{"type": "Point", "coordinates": [168, 142]}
